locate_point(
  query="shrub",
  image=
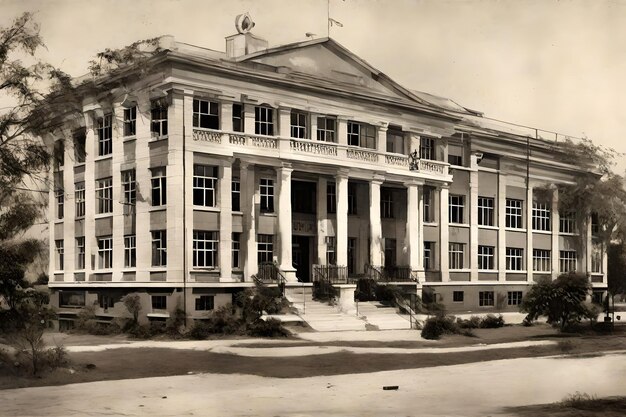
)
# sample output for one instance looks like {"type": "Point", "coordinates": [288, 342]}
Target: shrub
{"type": "Point", "coordinates": [132, 302]}
{"type": "Point", "coordinates": [565, 346]}
{"type": "Point", "coordinates": [199, 330]}
{"type": "Point", "coordinates": [388, 294]}
{"type": "Point", "coordinates": [267, 328]}
{"type": "Point", "coordinates": [140, 331]}
{"type": "Point", "coordinates": [435, 327]}
{"type": "Point", "coordinates": [176, 322]}
{"type": "Point", "coordinates": [472, 323]}
{"type": "Point", "coordinates": [220, 321]}
{"type": "Point", "coordinates": [324, 291]}
{"type": "Point", "coordinates": [492, 322]}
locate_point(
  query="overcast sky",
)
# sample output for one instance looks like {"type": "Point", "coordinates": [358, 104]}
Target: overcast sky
{"type": "Point", "coordinates": [555, 65]}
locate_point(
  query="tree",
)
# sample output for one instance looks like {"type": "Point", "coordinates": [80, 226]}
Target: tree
{"type": "Point", "coordinates": [132, 302]}
{"type": "Point", "coordinates": [562, 301]}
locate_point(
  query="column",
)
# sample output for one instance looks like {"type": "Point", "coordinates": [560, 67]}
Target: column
{"type": "Point", "coordinates": [376, 232]}
{"type": "Point", "coordinates": [554, 253]}
{"type": "Point", "coordinates": [381, 143]}
{"type": "Point", "coordinates": [91, 244]}
{"type": "Point", "coordinates": [188, 187]}
{"type": "Point", "coordinates": [420, 230]}
{"type": "Point", "coordinates": [473, 217]}
{"type": "Point", "coordinates": [312, 128]}
{"type": "Point", "coordinates": [322, 214]}
{"type": "Point", "coordinates": [413, 231]}
{"type": "Point", "coordinates": [342, 218]}
{"type": "Point", "coordinates": [444, 265]}
{"type": "Point", "coordinates": [51, 222]}
{"type": "Point", "coordinates": [226, 116]}
{"type": "Point", "coordinates": [585, 257]}
{"type": "Point", "coordinates": [248, 199]}
{"type": "Point", "coordinates": [284, 131]}
{"type": "Point", "coordinates": [226, 221]}
{"type": "Point", "coordinates": [118, 209]}
{"type": "Point", "coordinates": [69, 206]}
{"type": "Point", "coordinates": [248, 115]}
{"type": "Point", "coordinates": [283, 176]}
{"type": "Point", "coordinates": [501, 227]}
{"type": "Point", "coordinates": [529, 233]}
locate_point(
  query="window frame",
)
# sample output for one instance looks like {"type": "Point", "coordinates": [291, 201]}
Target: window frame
{"type": "Point", "coordinates": [266, 191]}
{"type": "Point", "coordinates": [158, 302]}
{"type": "Point", "coordinates": [79, 198]}
{"type": "Point", "coordinates": [105, 252]}
{"type": "Point", "coordinates": [208, 118]}
{"type": "Point", "coordinates": [159, 119]}
{"type": "Point", "coordinates": [486, 257]}
{"type": "Point", "coordinates": [130, 121]}
{"type": "Point", "coordinates": [514, 298]}
{"type": "Point", "coordinates": [458, 296]}
{"type": "Point", "coordinates": [60, 204]}
{"type": "Point", "coordinates": [486, 211]}
{"type": "Point", "coordinates": [456, 209]}
{"type": "Point", "coordinates": [331, 197]}
{"type": "Point", "coordinates": [59, 262]}
{"type": "Point", "coordinates": [567, 222]}
{"type": "Point", "coordinates": [205, 182]}
{"type": "Point", "coordinates": [429, 256]}
{"type": "Point", "coordinates": [514, 258]}
{"type": "Point", "coordinates": [159, 248]}
{"type": "Point", "coordinates": [205, 302]}
{"type": "Point", "coordinates": [352, 199]}
{"type": "Point", "coordinates": [238, 118]}
{"type": "Point", "coordinates": [236, 250]}
{"type": "Point", "coordinates": [104, 195]}
{"type": "Point", "coordinates": [158, 183]}
{"type": "Point", "coordinates": [541, 216]}
{"type": "Point", "coordinates": [205, 249]}
{"type": "Point", "coordinates": [362, 135]}
{"type": "Point", "coordinates": [263, 120]}
{"type": "Point", "coordinates": [235, 194]}
{"type": "Point", "coordinates": [80, 253]}
{"type": "Point", "coordinates": [105, 135]}
{"type": "Point", "coordinates": [427, 148]}
{"type": "Point", "coordinates": [542, 260]}
{"type": "Point", "coordinates": [486, 299]}
{"type": "Point", "coordinates": [265, 248]}
{"type": "Point", "coordinates": [299, 122]}
{"type": "Point", "coordinates": [129, 189]}
{"type": "Point", "coordinates": [456, 256]}
{"type": "Point", "coordinates": [130, 251]}
{"type": "Point", "coordinates": [566, 261]}
{"type": "Point", "coordinates": [386, 203]}
{"type": "Point", "coordinates": [514, 213]}
{"type": "Point", "coordinates": [326, 134]}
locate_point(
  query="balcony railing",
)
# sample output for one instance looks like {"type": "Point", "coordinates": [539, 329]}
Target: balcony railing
{"type": "Point", "coordinates": [307, 149]}
{"type": "Point", "coordinates": [334, 274]}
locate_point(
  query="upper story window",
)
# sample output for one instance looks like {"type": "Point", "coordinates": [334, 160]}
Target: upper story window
{"type": "Point", "coordinates": [80, 253]}
{"type": "Point", "coordinates": [236, 250]}
{"type": "Point", "coordinates": [326, 128]}
{"type": "Point", "coordinates": [206, 114]}
{"type": "Point", "coordinates": [130, 121]}
{"type": "Point", "coordinates": [395, 140]}
{"type": "Point", "coordinates": [541, 216]}
{"type": "Point", "coordinates": [456, 208]}
{"type": "Point", "coordinates": [595, 224]}
{"type": "Point", "coordinates": [238, 120]}
{"type": "Point", "coordinates": [386, 203]}
{"type": "Point", "coordinates": [79, 147]}
{"type": "Point", "coordinates": [59, 252]}
{"type": "Point", "coordinates": [486, 257]}
{"type": "Point", "coordinates": [485, 211]}
{"type": "Point", "coordinates": [236, 194]}
{"type": "Point", "coordinates": [427, 148]}
{"type": "Point", "coordinates": [514, 259]}
{"type": "Point", "coordinates": [79, 198]}
{"type": "Point", "coordinates": [429, 211]}
{"type": "Point", "coordinates": [429, 256]}
{"type": "Point", "coordinates": [361, 134]}
{"type": "Point", "coordinates": [158, 115]}
{"type": "Point", "coordinates": [567, 222]}
{"type": "Point", "coordinates": [129, 188]}
{"type": "Point", "coordinates": [130, 251]}
{"type": "Point", "coordinates": [105, 252]}
{"type": "Point", "coordinates": [267, 195]}
{"type": "Point", "coordinates": [514, 213]}
{"type": "Point", "coordinates": [59, 154]}
{"type": "Point", "coordinates": [456, 252]}
{"type": "Point", "coordinates": [298, 124]}
{"type": "Point", "coordinates": [264, 121]}
{"type": "Point", "coordinates": [331, 197]}
{"type": "Point", "coordinates": [205, 246]}
{"type": "Point", "coordinates": [455, 160]}
{"type": "Point", "coordinates": [542, 260]}
{"type": "Point", "coordinates": [104, 195]}
{"type": "Point", "coordinates": [60, 198]}
{"type": "Point", "coordinates": [596, 258]}
{"type": "Point", "coordinates": [204, 185]}
{"type": "Point", "coordinates": [567, 261]}
{"type": "Point", "coordinates": [159, 248]}
{"type": "Point", "coordinates": [352, 207]}
{"type": "Point", "coordinates": [105, 135]}
{"type": "Point", "coordinates": [265, 248]}
{"type": "Point", "coordinates": [159, 186]}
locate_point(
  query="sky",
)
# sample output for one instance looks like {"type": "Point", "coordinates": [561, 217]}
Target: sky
{"type": "Point", "coordinates": [554, 65]}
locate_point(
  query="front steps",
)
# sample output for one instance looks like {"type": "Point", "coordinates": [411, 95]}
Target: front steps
{"type": "Point", "coordinates": [325, 318]}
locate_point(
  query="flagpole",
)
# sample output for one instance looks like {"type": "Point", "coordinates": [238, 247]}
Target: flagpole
{"type": "Point", "coordinates": [328, 19]}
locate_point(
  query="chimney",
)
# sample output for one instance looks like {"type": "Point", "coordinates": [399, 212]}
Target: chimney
{"type": "Point", "coordinates": [244, 42]}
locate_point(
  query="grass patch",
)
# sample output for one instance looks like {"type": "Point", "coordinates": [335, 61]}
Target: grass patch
{"type": "Point", "coordinates": [575, 405]}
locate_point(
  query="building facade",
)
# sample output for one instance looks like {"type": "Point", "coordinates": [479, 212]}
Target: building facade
{"type": "Point", "coordinates": [186, 183]}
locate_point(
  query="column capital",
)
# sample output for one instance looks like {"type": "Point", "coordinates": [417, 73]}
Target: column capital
{"type": "Point", "coordinates": [415, 182]}
{"type": "Point", "coordinates": [343, 173]}
{"type": "Point", "coordinates": [245, 164]}
{"type": "Point", "coordinates": [377, 179]}
{"type": "Point", "coordinates": [284, 168]}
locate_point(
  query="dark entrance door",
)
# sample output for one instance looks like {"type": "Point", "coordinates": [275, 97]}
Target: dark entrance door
{"type": "Point", "coordinates": [301, 257]}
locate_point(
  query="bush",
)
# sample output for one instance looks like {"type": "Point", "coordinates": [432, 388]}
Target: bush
{"type": "Point", "coordinates": [220, 321]}
{"type": "Point", "coordinates": [140, 331]}
{"type": "Point", "coordinates": [434, 309]}
{"type": "Point", "coordinates": [492, 322]}
{"type": "Point", "coordinates": [565, 346]}
{"type": "Point", "coordinates": [435, 327]}
{"type": "Point", "coordinates": [473, 322]}
{"type": "Point", "coordinates": [267, 328]}
{"type": "Point", "coordinates": [388, 294]}
{"type": "Point", "coordinates": [176, 322]}
{"type": "Point", "coordinates": [324, 291]}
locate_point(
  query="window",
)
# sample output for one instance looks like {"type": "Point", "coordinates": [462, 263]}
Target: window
{"type": "Point", "coordinates": [105, 301]}
{"type": "Point", "coordinates": [326, 129]}
{"type": "Point", "coordinates": [567, 261]}
{"type": "Point", "coordinates": [429, 256]}
{"type": "Point", "coordinates": [80, 253]}
{"type": "Point", "coordinates": [206, 114]}
{"type": "Point", "coordinates": [80, 140]}
{"type": "Point", "coordinates": [298, 124]}
{"type": "Point", "coordinates": [485, 298]}
{"type": "Point", "coordinates": [513, 213]}
{"type": "Point", "coordinates": [104, 195]}
{"type": "Point", "coordinates": [267, 195]}
{"type": "Point", "coordinates": [395, 140]}
{"type": "Point", "coordinates": [130, 121]}
{"type": "Point", "coordinates": [567, 222]}
{"type": "Point", "coordinates": [456, 206]}
{"type": "Point", "coordinates": [514, 298]}
{"type": "Point", "coordinates": [485, 257]}
{"type": "Point", "coordinates": [59, 154]}
{"type": "Point", "coordinates": [541, 216]}
{"type": "Point", "coordinates": [236, 194]}
{"type": "Point", "coordinates": [204, 185]}
{"type": "Point", "coordinates": [455, 160]}
{"type": "Point", "coordinates": [105, 252]}
{"type": "Point", "coordinates": [514, 259]}
{"type": "Point", "coordinates": [331, 250]}
{"type": "Point", "coordinates": [352, 198]}
{"type": "Point", "coordinates": [130, 251]}
{"type": "Point", "coordinates": [427, 148]}
{"type": "Point", "coordinates": [236, 250]}
{"type": "Point", "coordinates": [596, 259]}
{"type": "Point", "coordinates": [159, 187]}
{"type": "Point", "coordinates": [159, 302]}
{"type": "Point", "coordinates": [105, 134]}
{"type": "Point", "coordinates": [129, 187]}
{"type": "Point", "coordinates": [60, 197]}
{"type": "Point", "coordinates": [238, 120]}
{"type": "Point", "coordinates": [386, 203]}
{"type": "Point", "coordinates": [79, 196]}
{"type": "Point", "coordinates": [158, 115]}
{"type": "Point", "coordinates": [595, 224]}
{"type": "Point", "coordinates": [265, 248]}
{"type": "Point", "coordinates": [457, 296]}
{"type": "Point", "coordinates": [485, 211]}
{"type": "Point", "coordinates": [205, 245]}
{"type": "Point", "coordinates": [59, 249]}
{"type": "Point", "coordinates": [361, 134]}
{"type": "Point", "coordinates": [205, 303]}
{"type": "Point", "coordinates": [457, 254]}
{"type": "Point", "coordinates": [71, 298]}
{"type": "Point", "coordinates": [542, 261]}
{"type": "Point", "coordinates": [331, 197]}
{"type": "Point", "coordinates": [159, 248]}
{"type": "Point", "coordinates": [264, 121]}
{"type": "Point", "coordinates": [352, 255]}
{"type": "Point", "coordinates": [429, 215]}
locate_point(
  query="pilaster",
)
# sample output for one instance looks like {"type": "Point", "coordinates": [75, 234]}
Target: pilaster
{"type": "Point", "coordinates": [473, 217]}
{"type": "Point", "coordinates": [381, 142]}
{"type": "Point", "coordinates": [501, 227]}
{"type": "Point", "coordinates": [118, 208]}
{"type": "Point", "coordinates": [226, 221]}
{"type": "Point", "coordinates": [91, 244]}
{"type": "Point", "coordinates": [376, 234]}
{"type": "Point", "coordinates": [248, 198]}
{"type": "Point", "coordinates": [248, 114]}
{"type": "Point", "coordinates": [554, 252]}
{"type": "Point", "coordinates": [283, 176]}
{"type": "Point", "coordinates": [143, 239]}
{"type": "Point", "coordinates": [444, 241]}
{"type": "Point", "coordinates": [69, 211]}
{"type": "Point", "coordinates": [413, 231]}
{"type": "Point", "coordinates": [322, 214]}
{"type": "Point", "coordinates": [529, 233]}
{"type": "Point", "coordinates": [226, 116]}
{"type": "Point", "coordinates": [342, 218]}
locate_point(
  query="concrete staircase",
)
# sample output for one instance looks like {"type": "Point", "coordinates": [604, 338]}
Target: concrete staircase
{"type": "Point", "coordinates": [383, 317]}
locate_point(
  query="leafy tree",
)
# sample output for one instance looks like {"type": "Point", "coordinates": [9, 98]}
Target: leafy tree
{"type": "Point", "coordinates": [132, 302]}
{"type": "Point", "coordinates": [562, 301]}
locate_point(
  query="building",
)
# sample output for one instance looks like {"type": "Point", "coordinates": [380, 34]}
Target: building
{"type": "Point", "coordinates": [213, 168]}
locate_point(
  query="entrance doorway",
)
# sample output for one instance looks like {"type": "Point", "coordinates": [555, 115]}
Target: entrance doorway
{"type": "Point", "coordinates": [301, 257]}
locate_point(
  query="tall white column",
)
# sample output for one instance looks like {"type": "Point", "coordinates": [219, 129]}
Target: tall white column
{"type": "Point", "coordinates": [413, 227]}
{"type": "Point", "coordinates": [248, 199]}
{"type": "Point", "coordinates": [226, 221]}
{"type": "Point", "coordinates": [529, 233]}
{"type": "Point", "coordinates": [52, 264]}
{"type": "Point", "coordinates": [69, 234]}
{"type": "Point", "coordinates": [444, 239]}
{"type": "Point", "coordinates": [91, 244]}
{"type": "Point", "coordinates": [585, 256]}
{"type": "Point", "coordinates": [376, 232]}
{"type": "Point", "coordinates": [501, 227]}
{"type": "Point", "coordinates": [322, 214]}
{"type": "Point", "coordinates": [420, 239]}
{"type": "Point", "coordinates": [118, 209]}
{"type": "Point", "coordinates": [283, 175]}
{"type": "Point", "coordinates": [473, 218]}
{"type": "Point", "coordinates": [554, 253]}
{"type": "Point", "coordinates": [342, 218]}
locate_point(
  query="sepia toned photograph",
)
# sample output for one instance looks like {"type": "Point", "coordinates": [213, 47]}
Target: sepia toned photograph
{"type": "Point", "coordinates": [310, 208]}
